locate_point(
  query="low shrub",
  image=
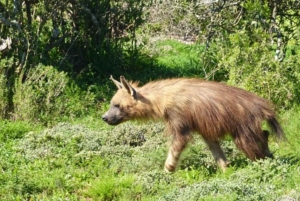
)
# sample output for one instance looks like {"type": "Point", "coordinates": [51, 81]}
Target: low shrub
{"type": "Point", "coordinates": [261, 180]}
{"type": "Point", "coordinates": [13, 130]}
{"type": "Point", "coordinates": [47, 96]}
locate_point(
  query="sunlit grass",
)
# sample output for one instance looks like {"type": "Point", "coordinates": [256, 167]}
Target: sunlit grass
{"type": "Point", "coordinates": [79, 162]}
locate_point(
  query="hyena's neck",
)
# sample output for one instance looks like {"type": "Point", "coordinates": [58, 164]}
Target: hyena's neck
{"type": "Point", "coordinates": [150, 105]}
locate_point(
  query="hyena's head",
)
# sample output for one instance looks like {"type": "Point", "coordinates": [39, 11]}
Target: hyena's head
{"type": "Point", "coordinates": [123, 103]}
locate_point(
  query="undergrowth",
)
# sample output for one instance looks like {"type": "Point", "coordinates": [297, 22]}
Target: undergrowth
{"type": "Point", "coordinates": [79, 162]}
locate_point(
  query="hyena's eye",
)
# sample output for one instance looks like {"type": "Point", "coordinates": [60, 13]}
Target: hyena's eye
{"type": "Point", "coordinates": [117, 105]}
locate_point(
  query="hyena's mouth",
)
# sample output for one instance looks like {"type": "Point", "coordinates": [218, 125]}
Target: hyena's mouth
{"type": "Point", "coordinates": [112, 120]}
{"type": "Point", "coordinates": [113, 123]}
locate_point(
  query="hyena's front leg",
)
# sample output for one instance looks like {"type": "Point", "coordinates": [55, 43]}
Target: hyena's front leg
{"type": "Point", "coordinates": [173, 155]}
{"type": "Point", "coordinates": [178, 143]}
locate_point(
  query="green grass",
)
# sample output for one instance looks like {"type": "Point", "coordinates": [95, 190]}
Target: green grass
{"type": "Point", "coordinates": [96, 162]}
{"type": "Point", "coordinates": [175, 54]}
{"type": "Point", "coordinates": [165, 59]}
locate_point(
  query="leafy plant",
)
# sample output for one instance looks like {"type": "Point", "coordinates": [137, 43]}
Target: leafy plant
{"type": "Point", "coordinates": [48, 95]}
{"type": "Point", "coordinates": [251, 65]}
{"type": "Point", "coordinates": [13, 130]}
{"type": "Point", "coordinates": [110, 186]}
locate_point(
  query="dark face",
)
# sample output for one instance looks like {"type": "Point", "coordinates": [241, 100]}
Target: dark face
{"type": "Point", "coordinates": [114, 115]}
{"type": "Point", "coordinates": [122, 107]}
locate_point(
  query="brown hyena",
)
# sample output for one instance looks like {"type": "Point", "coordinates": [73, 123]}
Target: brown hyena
{"type": "Point", "coordinates": [192, 105]}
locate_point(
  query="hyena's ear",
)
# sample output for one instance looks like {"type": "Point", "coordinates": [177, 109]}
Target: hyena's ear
{"type": "Point", "coordinates": [118, 84]}
{"type": "Point", "coordinates": [128, 87]}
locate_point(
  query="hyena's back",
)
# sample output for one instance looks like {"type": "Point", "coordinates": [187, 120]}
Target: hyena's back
{"type": "Point", "coordinates": [211, 108]}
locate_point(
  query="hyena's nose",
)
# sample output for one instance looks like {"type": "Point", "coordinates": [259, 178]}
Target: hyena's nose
{"type": "Point", "coordinates": [104, 118]}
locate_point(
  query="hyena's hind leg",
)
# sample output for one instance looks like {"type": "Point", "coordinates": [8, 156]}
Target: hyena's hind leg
{"type": "Point", "coordinates": [218, 154]}
{"type": "Point", "coordinates": [253, 144]}
{"type": "Point", "coordinates": [265, 145]}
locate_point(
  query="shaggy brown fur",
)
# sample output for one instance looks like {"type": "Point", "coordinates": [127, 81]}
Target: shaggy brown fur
{"type": "Point", "coordinates": [186, 105]}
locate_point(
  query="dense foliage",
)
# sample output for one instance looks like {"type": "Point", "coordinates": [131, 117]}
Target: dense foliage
{"type": "Point", "coordinates": [250, 43]}
{"type": "Point", "coordinates": [82, 40]}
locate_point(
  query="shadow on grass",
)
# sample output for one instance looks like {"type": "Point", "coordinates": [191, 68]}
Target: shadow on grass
{"type": "Point", "coordinates": [148, 68]}
{"type": "Point", "coordinates": [180, 61]}
{"type": "Point", "coordinates": [290, 159]}
{"type": "Point", "coordinates": [144, 70]}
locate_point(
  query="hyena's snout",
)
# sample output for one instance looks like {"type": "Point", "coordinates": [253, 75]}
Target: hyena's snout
{"type": "Point", "coordinates": [111, 118]}
{"type": "Point", "coordinates": [105, 118]}
{"type": "Point", "coordinates": [108, 118]}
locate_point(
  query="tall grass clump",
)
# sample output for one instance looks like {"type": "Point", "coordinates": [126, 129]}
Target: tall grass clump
{"type": "Point", "coordinates": [36, 96]}
{"type": "Point", "coordinates": [47, 95]}
{"type": "Point", "coordinates": [3, 96]}
{"type": "Point", "coordinates": [110, 186]}
{"type": "Point", "coordinates": [13, 130]}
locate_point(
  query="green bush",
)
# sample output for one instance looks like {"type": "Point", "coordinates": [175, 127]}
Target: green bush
{"type": "Point", "coordinates": [48, 95]}
{"type": "Point", "coordinates": [35, 99]}
{"type": "Point", "coordinates": [110, 186]}
{"type": "Point", "coordinates": [251, 65]}
{"type": "Point", "coordinates": [13, 130]}
{"type": "Point", "coordinates": [73, 138]}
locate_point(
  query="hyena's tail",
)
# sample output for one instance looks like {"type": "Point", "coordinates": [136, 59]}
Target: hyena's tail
{"type": "Point", "coordinates": [276, 128]}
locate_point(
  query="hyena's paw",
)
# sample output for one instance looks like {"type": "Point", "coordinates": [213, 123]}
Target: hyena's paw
{"type": "Point", "coordinates": [169, 168]}
{"type": "Point", "coordinates": [223, 165]}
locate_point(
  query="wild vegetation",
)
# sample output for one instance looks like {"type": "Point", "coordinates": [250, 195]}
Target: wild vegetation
{"type": "Point", "coordinates": [90, 161]}
{"type": "Point", "coordinates": [56, 58]}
